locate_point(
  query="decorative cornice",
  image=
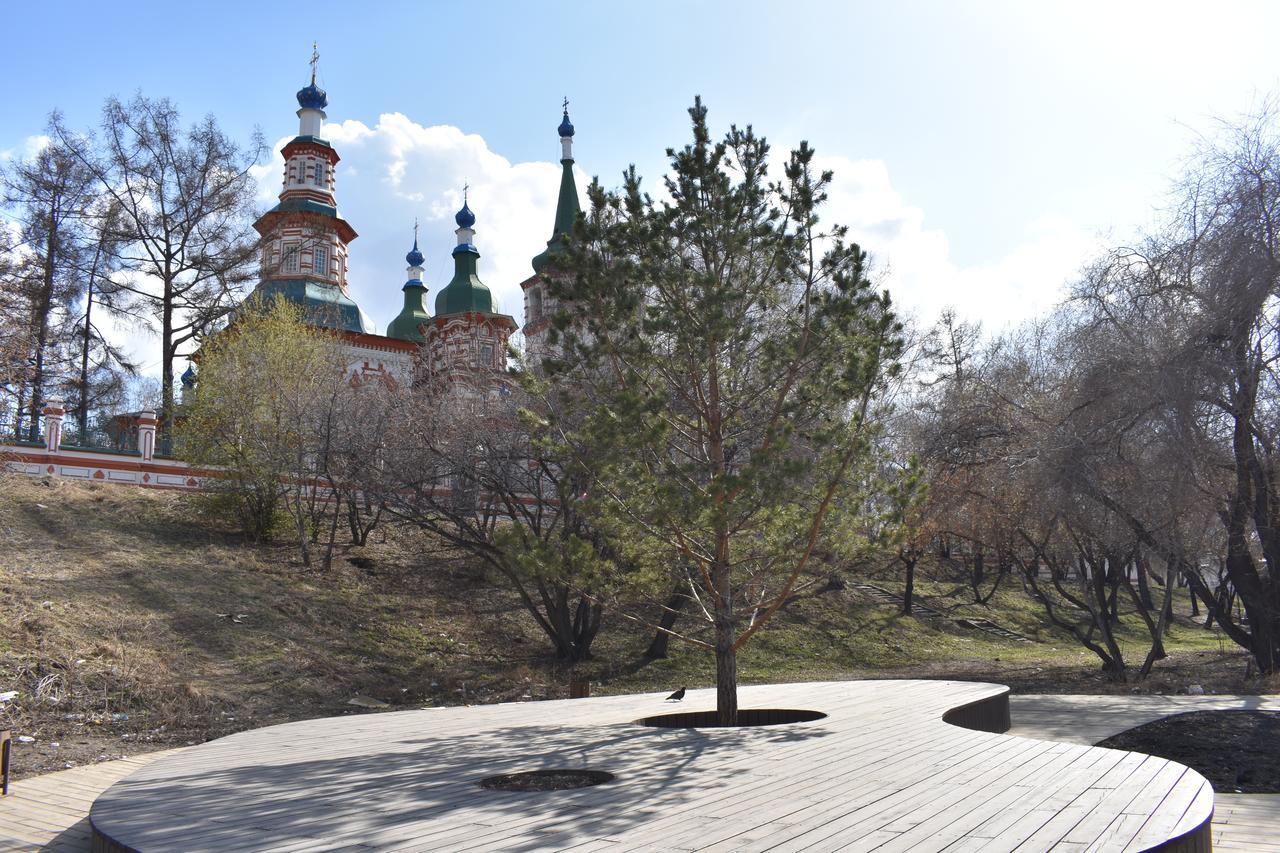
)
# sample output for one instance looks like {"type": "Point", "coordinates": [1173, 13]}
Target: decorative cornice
{"type": "Point", "coordinates": [310, 145]}
{"type": "Point", "coordinates": [442, 321]}
{"type": "Point", "coordinates": [379, 342]}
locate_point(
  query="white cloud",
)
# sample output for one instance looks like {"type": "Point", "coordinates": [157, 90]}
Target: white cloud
{"type": "Point", "coordinates": [399, 170]}
{"type": "Point", "coordinates": [914, 262]}
{"type": "Point", "coordinates": [31, 146]}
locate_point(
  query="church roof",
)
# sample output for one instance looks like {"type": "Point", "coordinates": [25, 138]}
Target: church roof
{"type": "Point", "coordinates": [567, 206]}
{"type": "Point", "coordinates": [312, 97]}
{"type": "Point", "coordinates": [465, 292]}
{"type": "Point", "coordinates": [414, 258]}
{"type": "Point", "coordinates": [407, 325]}
{"type": "Point", "coordinates": [323, 305]}
{"type": "Point", "coordinates": [304, 205]}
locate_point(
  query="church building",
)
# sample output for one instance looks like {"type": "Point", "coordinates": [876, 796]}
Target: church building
{"type": "Point", "coordinates": [461, 348]}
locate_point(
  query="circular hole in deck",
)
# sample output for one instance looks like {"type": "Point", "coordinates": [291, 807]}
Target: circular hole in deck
{"type": "Point", "coordinates": [746, 717]}
{"type": "Point", "coordinates": [546, 780]}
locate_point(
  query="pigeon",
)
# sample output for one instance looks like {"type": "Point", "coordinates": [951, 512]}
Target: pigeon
{"type": "Point", "coordinates": [677, 696]}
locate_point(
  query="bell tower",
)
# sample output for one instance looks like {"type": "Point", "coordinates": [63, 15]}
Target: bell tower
{"type": "Point", "coordinates": [539, 305]}
{"type": "Point", "coordinates": [466, 342]}
{"type": "Point", "coordinates": [304, 240]}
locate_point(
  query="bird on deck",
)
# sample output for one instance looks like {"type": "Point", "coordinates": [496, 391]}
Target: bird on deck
{"type": "Point", "coordinates": [677, 696]}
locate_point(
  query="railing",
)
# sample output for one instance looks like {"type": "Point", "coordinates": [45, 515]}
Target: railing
{"type": "Point", "coordinates": [8, 436]}
{"type": "Point", "coordinates": [100, 439]}
{"type": "Point", "coordinates": [21, 442]}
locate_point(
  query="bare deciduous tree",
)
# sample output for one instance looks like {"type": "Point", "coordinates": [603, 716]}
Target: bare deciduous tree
{"type": "Point", "coordinates": [185, 201]}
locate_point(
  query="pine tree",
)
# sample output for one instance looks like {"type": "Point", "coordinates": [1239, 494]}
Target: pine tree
{"type": "Point", "coordinates": [730, 352]}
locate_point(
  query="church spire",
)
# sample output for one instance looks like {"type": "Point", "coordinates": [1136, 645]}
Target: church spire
{"type": "Point", "coordinates": [567, 206]}
{"type": "Point", "coordinates": [464, 292]}
{"type": "Point", "coordinates": [311, 101]}
{"type": "Point", "coordinates": [407, 326]}
{"type": "Point", "coordinates": [304, 240]}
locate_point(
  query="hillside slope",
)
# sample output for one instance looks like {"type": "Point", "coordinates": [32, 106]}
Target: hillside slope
{"type": "Point", "coordinates": [129, 622]}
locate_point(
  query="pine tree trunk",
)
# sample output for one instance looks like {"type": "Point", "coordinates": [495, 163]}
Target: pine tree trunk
{"type": "Point", "coordinates": [726, 654]}
{"type": "Point", "coordinates": [978, 574]}
{"type": "Point", "coordinates": [670, 613]}
{"type": "Point", "coordinates": [726, 675]}
{"type": "Point", "coordinates": [910, 561]}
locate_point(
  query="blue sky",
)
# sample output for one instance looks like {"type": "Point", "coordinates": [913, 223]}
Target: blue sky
{"type": "Point", "coordinates": [985, 149]}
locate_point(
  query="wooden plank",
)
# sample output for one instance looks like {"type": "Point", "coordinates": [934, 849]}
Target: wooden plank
{"type": "Point", "coordinates": [882, 770]}
{"type": "Point", "coordinates": [1169, 818]}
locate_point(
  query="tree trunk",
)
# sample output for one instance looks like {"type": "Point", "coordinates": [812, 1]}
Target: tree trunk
{"type": "Point", "coordinates": [165, 439]}
{"type": "Point", "coordinates": [670, 613]}
{"type": "Point", "coordinates": [571, 627]}
{"type": "Point", "coordinates": [910, 561]}
{"type": "Point", "coordinates": [333, 537]}
{"type": "Point", "coordinates": [977, 575]}
{"type": "Point", "coordinates": [40, 322]}
{"type": "Point", "coordinates": [726, 676]}
{"type": "Point", "coordinates": [1104, 594]}
{"type": "Point", "coordinates": [1166, 610]}
{"type": "Point", "coordinates": [1144, 588]}
{"type": "Point", "coordinates": [82, 414]}
{"type": "Point", "coordinates": [1113, 579]}
{"type": "Point", "coordinates": [1195, 599]}
{"type": "Point", "coordinates": [726, 654]}
{"type": "Point", "coordinates": [586, 624]}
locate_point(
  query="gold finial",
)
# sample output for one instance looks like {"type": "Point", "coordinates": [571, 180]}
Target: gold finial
{"type": "Point", "coordinates": [415, 230]}
{"type": "Point", "coordinates": [566, 104]}
{"type": "Point", "coordinates": [465, 186]}
{"type": "Point", "coordinates": [315, 57]}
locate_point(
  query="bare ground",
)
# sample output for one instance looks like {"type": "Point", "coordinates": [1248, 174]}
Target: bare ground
{"type": "Point", "coordinates": [129, 623]}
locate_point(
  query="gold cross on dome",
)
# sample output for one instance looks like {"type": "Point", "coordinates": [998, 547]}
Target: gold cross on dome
{"type": "Point", "coordinates": [315, 57]}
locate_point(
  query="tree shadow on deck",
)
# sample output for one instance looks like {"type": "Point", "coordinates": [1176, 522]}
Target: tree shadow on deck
{"type": "Point", "coordinates": [426, 788]}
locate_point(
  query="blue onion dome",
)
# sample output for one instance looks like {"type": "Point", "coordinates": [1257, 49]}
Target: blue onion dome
{"type": "Point", "coordinates": [312, 98]}
{"type": "Point", "coordinates": [465, 217]}
{"type": "Point", "coordinates": [414, 258]}
{"type": "Point", "coordinates": [189, 377]}
{"type": "Point", "coordinates": [566, 126]}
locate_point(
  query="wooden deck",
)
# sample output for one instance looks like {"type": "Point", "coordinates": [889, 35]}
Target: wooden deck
{"type": "Point", "coordinates": [51, 812]}
{"type": "Point", "coordinates": [881, 771]}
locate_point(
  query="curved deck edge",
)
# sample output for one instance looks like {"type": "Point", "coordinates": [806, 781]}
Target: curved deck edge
{"type": "Point", "coordinates": [100, 842]}
{"type": "Point", "coordinates": [989, 714]}
{"type": "Point", "coordinates": [1198, 840]}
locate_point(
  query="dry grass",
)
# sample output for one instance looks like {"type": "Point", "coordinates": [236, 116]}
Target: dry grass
{"type": "Point", "coordinates": [128, 623]}
{"type": "Point", "coordinates": [113, 602]}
